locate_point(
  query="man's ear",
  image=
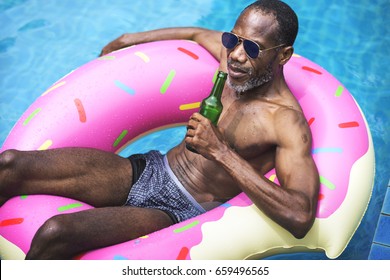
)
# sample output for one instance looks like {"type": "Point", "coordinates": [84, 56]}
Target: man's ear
{"type": "Point", "coordinates": [285, 55]}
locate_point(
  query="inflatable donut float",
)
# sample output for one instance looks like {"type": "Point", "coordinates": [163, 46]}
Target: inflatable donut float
{"type": "Point", "coordinates": [110, 101]}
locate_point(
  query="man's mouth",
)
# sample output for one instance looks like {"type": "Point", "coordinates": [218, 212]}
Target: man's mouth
{"type": "Point", "coordinates": [236, 72]}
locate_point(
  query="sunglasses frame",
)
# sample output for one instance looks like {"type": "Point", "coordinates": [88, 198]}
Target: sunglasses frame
{"type": "Point", "coordinates": [243, 40]}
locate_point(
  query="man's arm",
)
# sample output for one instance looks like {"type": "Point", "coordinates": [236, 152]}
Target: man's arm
{"type": "Point", "coordinates": [297, 173]}
{"type": "Point", "coordinates": [293, 204]}
{"type": "Point", "coordinates": [209, 39]}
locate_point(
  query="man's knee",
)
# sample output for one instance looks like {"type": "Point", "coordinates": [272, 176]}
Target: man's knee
{"type": "Point", "coordinates": [52, 229]}
{"type": "Point", "coordinates": [50, 239]}
{"type": "Point", "coordinates": [8, 171]}
{"type": "Point", "coordinates": [8, 158]}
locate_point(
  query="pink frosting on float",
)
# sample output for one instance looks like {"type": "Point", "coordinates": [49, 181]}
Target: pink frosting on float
{"type": "Point", "coordinates": [129, 90]}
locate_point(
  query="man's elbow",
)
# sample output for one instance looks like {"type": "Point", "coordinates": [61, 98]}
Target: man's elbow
{"type": "Point", "coordinates": [301, 226]}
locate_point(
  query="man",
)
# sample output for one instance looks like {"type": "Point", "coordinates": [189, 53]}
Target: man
{"type": "Point", "coordinates": [262, 126]}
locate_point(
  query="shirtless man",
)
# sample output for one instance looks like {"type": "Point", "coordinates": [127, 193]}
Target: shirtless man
{"type": "Point", "coordinates": [262, 127]}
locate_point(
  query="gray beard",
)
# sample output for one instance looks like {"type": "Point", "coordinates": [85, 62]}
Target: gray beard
{"type": "Point", "coordinates": [253, 82]}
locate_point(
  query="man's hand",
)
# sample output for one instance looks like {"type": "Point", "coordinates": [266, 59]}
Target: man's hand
{"type": "Point", "coordinates": [204, 137]}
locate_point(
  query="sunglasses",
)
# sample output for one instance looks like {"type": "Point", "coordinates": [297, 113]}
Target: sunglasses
{"type": "Point", "coordinates": [252, 49]}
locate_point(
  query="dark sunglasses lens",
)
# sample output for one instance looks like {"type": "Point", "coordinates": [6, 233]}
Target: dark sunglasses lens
{"type": "Point", "coordinates": [251, 49]}
{"type": "Point", "coordinates": [229, 40]}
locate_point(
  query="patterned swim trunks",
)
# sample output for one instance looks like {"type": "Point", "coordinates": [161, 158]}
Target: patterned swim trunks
{"type": "Point", "coordinates": [159, 188]}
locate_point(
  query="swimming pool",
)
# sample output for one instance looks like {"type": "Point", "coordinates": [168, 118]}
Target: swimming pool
{"type": "Point", "coordinates": [43, 40]}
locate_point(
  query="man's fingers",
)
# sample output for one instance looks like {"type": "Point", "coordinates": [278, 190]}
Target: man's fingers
{"type": "Point", "coordinates": [196, 117]}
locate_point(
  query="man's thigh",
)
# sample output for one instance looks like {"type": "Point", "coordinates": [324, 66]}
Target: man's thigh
{"type": "Point", "coordinates": [95, 228]}
{"type": "Point", "coordinates": [96, 177]}
{"type": "Point", "coordinates": [111, 225]}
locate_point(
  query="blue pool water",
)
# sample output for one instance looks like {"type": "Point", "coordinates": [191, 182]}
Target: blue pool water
{"type": "Point", "coordinates": [41, 41]}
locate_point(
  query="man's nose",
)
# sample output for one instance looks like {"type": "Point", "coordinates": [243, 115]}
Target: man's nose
{"type": "Point", "coordinates": [238, 53]}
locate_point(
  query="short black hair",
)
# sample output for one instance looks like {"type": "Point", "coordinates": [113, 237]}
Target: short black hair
{"type": "Point", "coordinates": [285, 16]}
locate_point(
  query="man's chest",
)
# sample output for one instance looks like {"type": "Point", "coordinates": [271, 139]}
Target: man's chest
{"type": "Point", "coordinates": [248, 130]}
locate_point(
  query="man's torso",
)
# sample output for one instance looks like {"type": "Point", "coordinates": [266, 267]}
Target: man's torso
{"type": "Point", "coordinates": [248, 126]}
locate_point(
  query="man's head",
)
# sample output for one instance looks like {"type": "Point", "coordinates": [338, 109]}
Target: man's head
{"type": "Point", "coordinates": [260, 45]}
{"type": "Point", "coordinates": [287, 19]}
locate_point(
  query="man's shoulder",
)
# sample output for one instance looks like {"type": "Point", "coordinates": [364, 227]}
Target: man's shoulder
{"type": "Point", "coordinates": [289, 113]}
{"type": "Point", "coordinates": [290, 123]}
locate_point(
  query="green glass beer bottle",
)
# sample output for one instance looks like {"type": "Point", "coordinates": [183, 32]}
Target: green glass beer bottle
{"type": "Point", "coordinates": [211, 107]}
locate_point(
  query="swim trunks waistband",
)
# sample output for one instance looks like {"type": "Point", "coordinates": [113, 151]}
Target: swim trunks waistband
{"type": "Point", "coordinates": [181, 187]}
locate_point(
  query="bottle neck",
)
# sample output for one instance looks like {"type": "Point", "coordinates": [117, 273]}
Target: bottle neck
{"type": "Point", "coordinates": [219, 84]}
